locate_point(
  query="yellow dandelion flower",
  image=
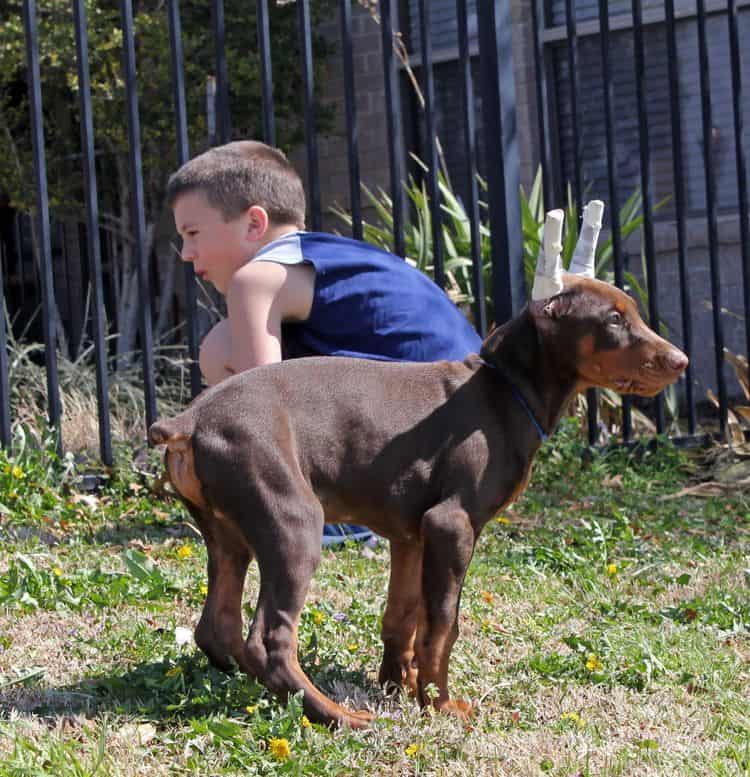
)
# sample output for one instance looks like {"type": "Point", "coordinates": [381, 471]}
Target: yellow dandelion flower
{"type": "Point", "coordinates": [487, 596]}
{"type": "Point", "coordinates": [352, 647]}
{"type": "Point", "coordinates": [593, 664]}
{"type": "Point", "coordinates": [503, 520]}
{"type": "Point", "coordinates": [318, 617]}
{"type": "Point", "coordinates": [572, 717]}
{"type": "Point", "coordinates": [413, 750]}
{"type": "Point", "coordinates": [57, 572]}
{"type": "Point", "coordinates": [611, 569]}
{"type": "Point", "coordinates": [204, 589]}
{"type": "Point", "coordinates": [305, 722]}
{"type": "Point", "coordinates": [185, 551]}
{"type": "Point", "coordinates": [280, 748]}
{"type": "Point", "coordinates": [250, 709]}
{"type": "Point", "coordinates": [16, 472]}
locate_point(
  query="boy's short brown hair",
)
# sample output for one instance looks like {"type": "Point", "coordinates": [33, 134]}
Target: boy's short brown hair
{"type": "Point", "coordinates": [238, 175]}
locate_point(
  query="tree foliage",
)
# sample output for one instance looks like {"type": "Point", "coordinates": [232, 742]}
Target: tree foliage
{"type": "Point", "coordinates": [158, 132]}
{"type": "Point", "coordinates": [57, 52]}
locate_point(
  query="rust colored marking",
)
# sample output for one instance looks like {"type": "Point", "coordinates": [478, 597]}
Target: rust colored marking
{"type": "Point", "coordinates": [180, 464]}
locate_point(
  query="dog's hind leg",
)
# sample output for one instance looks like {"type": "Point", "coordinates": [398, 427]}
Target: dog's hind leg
{"type": "Point", "coordinates": [398, 632]}
{"type": "Point", "coordinates": [287, 558]}
{"type": "Point", "coordinates": [448, 538]}
{"type": "Point", "coordinates": [219, 630]}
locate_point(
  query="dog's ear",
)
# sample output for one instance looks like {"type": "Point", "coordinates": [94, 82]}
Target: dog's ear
{"type": "Point", "coordinates": [556, 307]}
{"type": "Point", "coordinates": [492, 339]}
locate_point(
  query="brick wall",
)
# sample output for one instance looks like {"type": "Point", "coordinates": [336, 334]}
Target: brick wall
{"type": "Point", "coordinates": [369, 87]}
{"type": "Point", "coordinates": [371, 116]}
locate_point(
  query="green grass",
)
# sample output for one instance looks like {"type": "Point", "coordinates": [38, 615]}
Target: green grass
{"type": "Point", "coordinates": [605, 630]}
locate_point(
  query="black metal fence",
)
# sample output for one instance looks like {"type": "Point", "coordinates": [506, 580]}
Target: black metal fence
{"type": "Point", "coordinates": [579, 142]}
{"type": "Point", "coordinates": [648, 65]}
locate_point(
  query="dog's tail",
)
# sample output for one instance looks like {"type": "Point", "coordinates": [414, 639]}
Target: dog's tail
{"type": "Point", "coordinates": [172, 432]}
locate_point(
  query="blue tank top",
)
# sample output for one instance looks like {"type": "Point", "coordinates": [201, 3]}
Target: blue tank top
{"type": "Point", "coordinates": [369, 304]}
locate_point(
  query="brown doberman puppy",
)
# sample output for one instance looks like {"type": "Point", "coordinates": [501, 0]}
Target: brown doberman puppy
{"type": "Point", "coordinates": [423, 454]}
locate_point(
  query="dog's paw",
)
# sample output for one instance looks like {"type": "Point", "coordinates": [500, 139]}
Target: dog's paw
{"type": "Point", "coordinates": [457, 707]}
{"type": "Point", "coordinates": [394, 677]}
{"type": "Point", "coordinates": [356, 719]}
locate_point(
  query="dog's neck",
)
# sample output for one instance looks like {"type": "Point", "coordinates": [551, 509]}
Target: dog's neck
{"type": "Point", "coordinates": [518, 350]}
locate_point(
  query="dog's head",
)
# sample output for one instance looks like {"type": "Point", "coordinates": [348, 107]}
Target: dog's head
{"type": "Point", "coordinates": [597, 327]}
{"type": "Point", "coordinates": [591, 327]}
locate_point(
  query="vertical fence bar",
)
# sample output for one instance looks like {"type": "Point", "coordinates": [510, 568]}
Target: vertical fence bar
{"type": "Point", "coordinates": [572, 36]}
{"type": "Point", "coordinates": [540, 83]}
{"type": "Point", "coordinates": [352, 136]}
{"type": "Point", "coordinates": [5, 437]}
{"type": "Point", "coordinates": [433, 187]}
{"type": "Point", "coordinates": [498, 92]}
{"type": "Point", "coordinates": [223, 124]}
{"type": "Point", "coordinates": [393, 122]}
{"type": "Point", "coordinates": [137, 209]}
{"type": "Point", "coordinates": [614, 198]}
{"type": "Point", "coordinates": [3, 258]}
{"type": "Point", "coordinates": [65, 259]}
{"type": "Point", "coordinates": [713, 230]}
{"type": "Point", "coordinates": [98, 318]}
{"type": "Point", "coordinates": [470, 152]}
{"type": "Point", "coordinates": [645, 159]}
{"type": "Point", "coordinates": [42, 216]}
{"type": "Point", "coordinates": [680, 209]}
{"type": "Point", "coordinates": [739, 141]}
{"type": "Point", "coordinates": [183, 154]}
{"type": "Point", "coordinates": [266, 81]}
{"type": "Point", "coordinates": [311, 138]}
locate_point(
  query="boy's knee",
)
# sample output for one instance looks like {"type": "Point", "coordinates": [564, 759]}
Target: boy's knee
{"type": "Point", "coordinates": [215, 353]}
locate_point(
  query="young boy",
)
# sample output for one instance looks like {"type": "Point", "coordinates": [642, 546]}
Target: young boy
{"type": "Point", "coordinates": [240, 210]}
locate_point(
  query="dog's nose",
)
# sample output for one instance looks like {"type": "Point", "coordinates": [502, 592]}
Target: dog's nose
{"type": "Point", "coordinates": [675, 360]}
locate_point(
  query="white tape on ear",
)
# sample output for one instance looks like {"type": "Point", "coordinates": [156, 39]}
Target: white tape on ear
{"type": "Point", "coordinates": [584, 256]}
{"type": "Point", "coordinates": [548, 276]}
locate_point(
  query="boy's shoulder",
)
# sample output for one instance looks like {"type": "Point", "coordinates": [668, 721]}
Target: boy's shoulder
{"type": "Point", "coordinates": [327, 244]}
{"type": "Point", "coordinates": [291, 285]}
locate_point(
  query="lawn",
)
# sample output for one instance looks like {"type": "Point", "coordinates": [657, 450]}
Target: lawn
{"type": "Point", "coordinates": [604, 631]}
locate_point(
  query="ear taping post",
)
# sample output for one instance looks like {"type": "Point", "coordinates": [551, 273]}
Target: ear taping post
{"type": "Point", "coordinates": [548, 277]}
{"type": "Point", "coordinates": [584, 256]}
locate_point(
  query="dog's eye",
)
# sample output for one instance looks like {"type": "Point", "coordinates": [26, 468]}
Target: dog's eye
{"type": "Point", "coordinates": [615, 319]}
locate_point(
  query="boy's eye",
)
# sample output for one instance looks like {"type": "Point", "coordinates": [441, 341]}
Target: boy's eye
{"type": "Point", "coordinates": [614, 318]}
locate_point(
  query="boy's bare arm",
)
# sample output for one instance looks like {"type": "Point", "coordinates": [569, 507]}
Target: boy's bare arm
{"type": "Point", "coordinates": [260, 296]}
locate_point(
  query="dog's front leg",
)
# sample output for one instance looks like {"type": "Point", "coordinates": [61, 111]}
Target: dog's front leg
{"type": "Point", "coordinates": [398, 632]}
{"type": "Point", "coordinates": [448, 542]}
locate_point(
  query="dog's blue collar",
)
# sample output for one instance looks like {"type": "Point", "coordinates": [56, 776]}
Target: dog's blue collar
{"type": "Point", "coordinates": [543, 436]}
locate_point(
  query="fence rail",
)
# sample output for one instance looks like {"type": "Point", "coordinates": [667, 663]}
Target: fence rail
{"type": "Point", "coordinates": [577, 142]}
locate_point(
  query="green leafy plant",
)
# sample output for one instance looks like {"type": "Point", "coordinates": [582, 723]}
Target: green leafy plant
{"type": "Point", "coordinates": [456, 233]}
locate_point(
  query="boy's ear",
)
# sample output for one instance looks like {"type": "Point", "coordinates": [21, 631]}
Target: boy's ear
{"type": "Point", "coordinates": [257, 222]}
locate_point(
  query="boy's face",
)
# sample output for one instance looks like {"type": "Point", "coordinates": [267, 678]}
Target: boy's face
{"type": "Point", "coordinates": [217, 248]}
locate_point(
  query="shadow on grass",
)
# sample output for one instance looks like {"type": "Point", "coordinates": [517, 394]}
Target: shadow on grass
{"type": "Point", "coordinates": [179, 690]}
{"type": "Point", "coordinates": [148, 533]}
